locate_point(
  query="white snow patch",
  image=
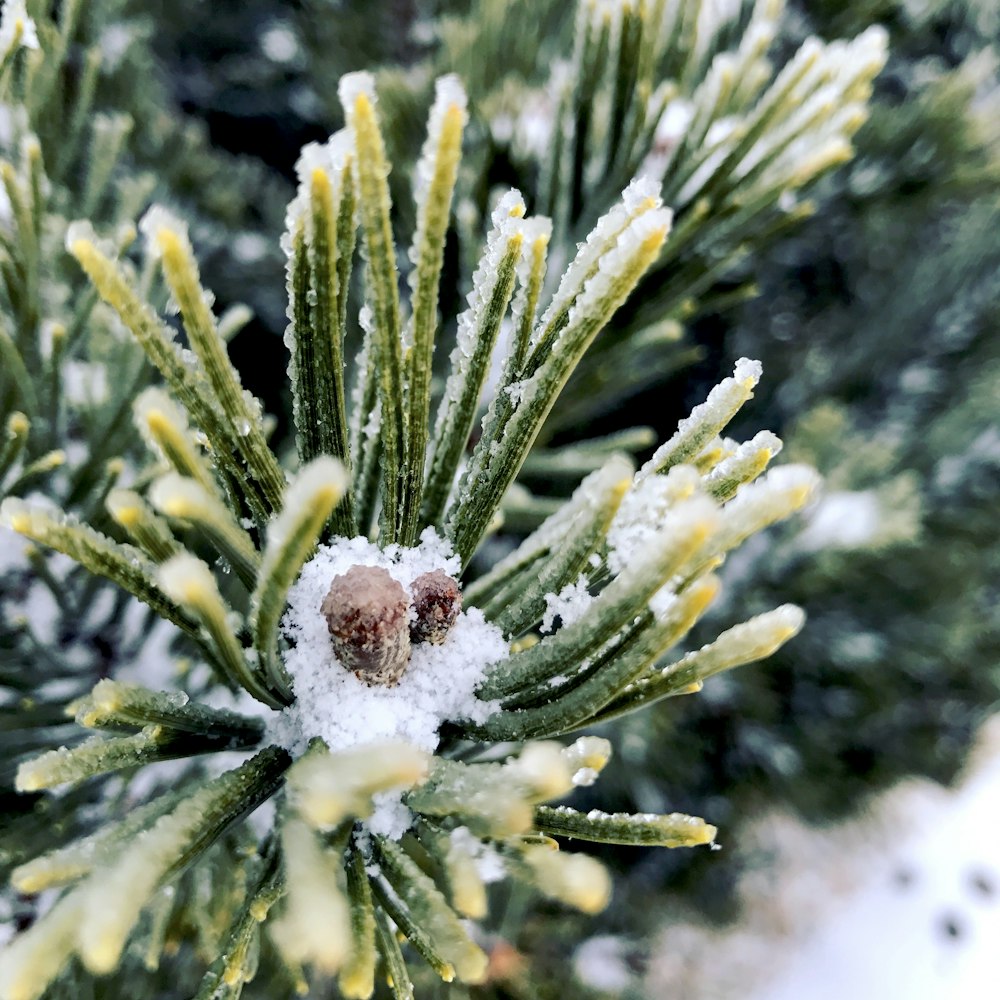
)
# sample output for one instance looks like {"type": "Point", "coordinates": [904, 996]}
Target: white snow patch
{"type": "Point", "coordinates": [249, 247]}
{"type": "Point", "coordinates": [279, 43]}
{"type": "Point", "coordinates": [12, 551]}
{"type": "Point", "coordinates": [569, 605]}
{"type": "Point", "coordinates": [85, 383]}
{"type": "Point", "coordinates": [115, 41]}
{"type": "Point", "coordinates": [843, 520]}
{"type": "Point", "coordinates": [489, 862]}
{"type": "Point", "coordinates": [601, 963]}
{"type": "Point", "coordinates": [889, 934]}
{"type": "Point", "coordinates": [439, 683]}
{"type": "Point", "coordinates": [390, 817]}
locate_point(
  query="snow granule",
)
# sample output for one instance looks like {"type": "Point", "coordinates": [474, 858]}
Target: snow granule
{"type": "Point", "coordinates": [438, 684]}
{"type": "Point", "coordinates": [748, 368]}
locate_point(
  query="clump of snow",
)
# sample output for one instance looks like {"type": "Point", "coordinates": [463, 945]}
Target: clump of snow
{"type": "Point", "coordinates": [602, 964]}
{"type": "Point", "coordinates": [842, 520]}
{"type": "Point", "coordinates": [85, 383]}
{"type": "Point", "coordinates": [13, 551]}
{"type": "Point", "coordinates": [390, 817]}
{"type": "Point", "coordinates": [489, 862]}
{"type": "Point", "coordinates": [438, 684]}
{"type": "Point", "coordinates": [279, 43]}
{"type": "Point", "coordinates": [115, 41]}
{"type": "Point", "coordinates": [569, 605]}
{"type": "Point", "coordinates": [748, 369]}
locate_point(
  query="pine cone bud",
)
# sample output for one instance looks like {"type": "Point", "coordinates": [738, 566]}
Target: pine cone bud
{"type": "Point", "coordinates": [437, 602]}
{"type": "Point", "coordinates": [367, 613]}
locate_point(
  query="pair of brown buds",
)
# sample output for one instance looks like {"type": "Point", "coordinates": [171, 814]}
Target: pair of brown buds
{"type": "Point", "coordinates": [368, 614]}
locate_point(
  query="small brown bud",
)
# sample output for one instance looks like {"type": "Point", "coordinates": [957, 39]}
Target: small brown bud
{"type": "Point", "coordinates": [437, 602]}
{"type": "Point", "coordinates": [367, 613]}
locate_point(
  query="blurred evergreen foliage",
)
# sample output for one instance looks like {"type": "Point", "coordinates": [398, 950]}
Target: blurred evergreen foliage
{"type": "Point", "coordinates": [881, 314]}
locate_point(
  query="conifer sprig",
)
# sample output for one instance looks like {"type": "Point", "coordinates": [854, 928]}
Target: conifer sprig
{"type": "Point", "coordinates": [590, 609]}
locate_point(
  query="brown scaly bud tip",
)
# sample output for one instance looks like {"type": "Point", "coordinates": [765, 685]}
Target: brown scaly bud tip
{"type": "Point", "coordinates": [437, 602]}
{"type": "Point", "coordinates": [367, 613]}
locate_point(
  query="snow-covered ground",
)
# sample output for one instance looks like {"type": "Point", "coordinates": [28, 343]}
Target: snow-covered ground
{"type": "Point", "coordinates": [928, 926]}
{"type": "Point", "coordinates": [902, 903]}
